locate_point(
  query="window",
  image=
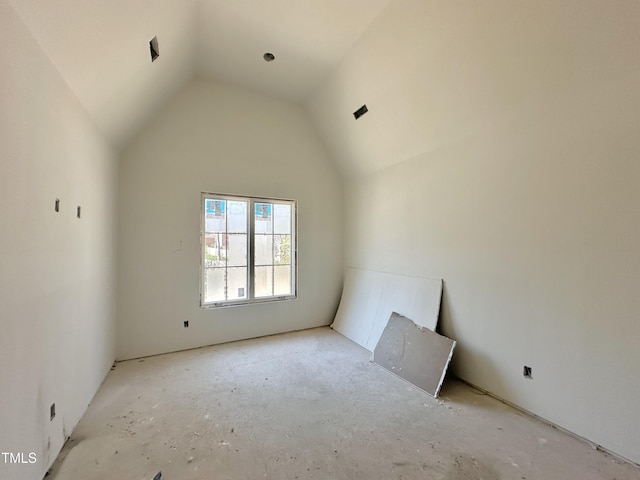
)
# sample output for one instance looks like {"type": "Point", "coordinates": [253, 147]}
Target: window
{"type": "Point", "coordinates": [248, 250]}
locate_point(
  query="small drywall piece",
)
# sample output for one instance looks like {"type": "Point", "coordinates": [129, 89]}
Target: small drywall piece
{"type": "Point", "coordinates": [370, 297]}
{"type": "Point", "coordinates": [416, 354]}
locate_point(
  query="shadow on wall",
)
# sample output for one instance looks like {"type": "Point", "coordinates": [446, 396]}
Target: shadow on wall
{"type": "Point", "coordinates": [447, 327]}
{"type": "Point", "coordinates": [446, 324]}
{"type": "Point", "coordinates": [465, 355]}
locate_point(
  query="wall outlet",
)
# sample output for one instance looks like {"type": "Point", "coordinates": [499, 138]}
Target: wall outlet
{"type": "Point", "coordinates": [527, 372]}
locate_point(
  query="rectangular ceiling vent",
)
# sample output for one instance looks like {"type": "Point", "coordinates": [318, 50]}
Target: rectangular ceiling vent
{"type": "Point", "coordinates": [153, 47]}
{"type": "Point", "coordinates": [361, 111]}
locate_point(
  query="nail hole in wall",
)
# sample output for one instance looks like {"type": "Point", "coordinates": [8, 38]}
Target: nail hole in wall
{"type": "Point", "coordinates": [79, 211]}
{"type": "Point", "coordinates": [57, 205]}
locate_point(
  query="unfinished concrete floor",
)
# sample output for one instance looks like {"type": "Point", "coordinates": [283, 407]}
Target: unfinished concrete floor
{"type": "Point", "coordinates": [308, 405]}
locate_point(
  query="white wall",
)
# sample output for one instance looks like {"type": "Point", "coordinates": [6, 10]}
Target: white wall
{"type": "Point", "coordinates": [57, 314]}
{"type": "Point", "coordinates": [501, 153]}
{"type": "Point", "coordinates": [216, 138]}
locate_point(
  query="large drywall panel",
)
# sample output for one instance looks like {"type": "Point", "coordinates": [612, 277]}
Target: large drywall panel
{"type": "Point", "coordinates": [413, 353]}
{"type": "Point", "coordinates": [57, 317]}
{"type": "Point", "coordinates": [531, 215]}
{"type": "Point", "coordinates": [370, 297]}
{"type": "Point", "coordinates": [217, 138]}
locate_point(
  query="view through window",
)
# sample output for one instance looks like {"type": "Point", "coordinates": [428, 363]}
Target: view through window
{"type": "Point", "coordinates": [248, 249]}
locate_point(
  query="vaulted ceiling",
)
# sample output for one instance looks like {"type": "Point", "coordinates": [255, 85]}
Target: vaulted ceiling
{"type": "Point", "coordinates": [431, 72]}
{"type": "Point", "coordinates": [101, 48]}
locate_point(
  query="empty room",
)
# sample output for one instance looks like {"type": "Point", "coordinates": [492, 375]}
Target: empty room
{"type": "Point", "coordinates": [319, 239]}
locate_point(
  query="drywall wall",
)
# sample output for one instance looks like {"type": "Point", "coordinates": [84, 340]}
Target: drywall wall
{"type": "Point", "coordinates": [57, 316]}
{"type": "Point", "coordinates": [500, 153]}
{"type": "Point", "coordinates": [217, 138]}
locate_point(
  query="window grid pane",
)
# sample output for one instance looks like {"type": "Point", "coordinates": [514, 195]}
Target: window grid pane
{"type": "Point", "coordinates": [282, 280]}
{"type": "Point", "coordinates": [237, 250]}
{"type": "Point", "coordinates": [264, 281]}
{"type": "Point", "coordinates": [263, 249]}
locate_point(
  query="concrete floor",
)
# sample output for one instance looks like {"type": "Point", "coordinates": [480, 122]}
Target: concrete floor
{"type": "Point", "coordinates": [309, 405]}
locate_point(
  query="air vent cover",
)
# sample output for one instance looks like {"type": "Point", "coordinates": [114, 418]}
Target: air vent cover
{"type": "Point", "coordinates": [361, 111]}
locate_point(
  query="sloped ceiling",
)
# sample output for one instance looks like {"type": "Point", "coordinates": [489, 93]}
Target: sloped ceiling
{"type": "Point", "coordinates": [436, 73]}
{"type": "Point", "coordinates": [101, 48]}
{"type": "Point", "coordinates": [431, 72]}
{"type": "Point", "coordinates": [308, 37]}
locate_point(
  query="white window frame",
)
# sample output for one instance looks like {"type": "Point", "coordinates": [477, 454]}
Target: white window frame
{"type": "Point", "coordinates": [252, 200]}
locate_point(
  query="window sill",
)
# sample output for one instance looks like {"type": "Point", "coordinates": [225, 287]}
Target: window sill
{"type": "Point", "coordinates": [255, 301]}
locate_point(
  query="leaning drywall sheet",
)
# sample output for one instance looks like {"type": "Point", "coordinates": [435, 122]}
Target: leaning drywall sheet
{"type": "Point", "coordinates": [416, 354]}
{"type": "Point", "coordinates": [369, 298]}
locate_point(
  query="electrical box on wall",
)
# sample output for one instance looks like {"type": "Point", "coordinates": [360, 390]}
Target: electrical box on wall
{"type": "Point", "coordinates": [154, 49]}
